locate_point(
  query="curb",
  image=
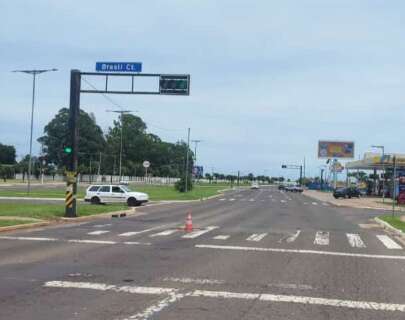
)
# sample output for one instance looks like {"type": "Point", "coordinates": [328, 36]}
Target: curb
{"type": "Point", "coordinates": [386, 225]}
{"type": "Point", "coordinates": [26, 226]}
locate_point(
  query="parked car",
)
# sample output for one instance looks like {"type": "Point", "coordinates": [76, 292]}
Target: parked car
{"type": "Point", "coordinates": [346, 192]}
{"type": "Point", "coordinates": [294, 188]}
{"type": "Point", "coordinates": [98, 194]}
{"type": "Point", "coordinates": [255, 185]}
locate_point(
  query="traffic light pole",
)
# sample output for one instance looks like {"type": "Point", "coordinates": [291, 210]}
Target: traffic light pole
{"type": "Point", "coordinates": [71, 175]}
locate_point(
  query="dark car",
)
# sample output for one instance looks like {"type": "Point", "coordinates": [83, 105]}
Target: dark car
{"type": "Point", "coordinates": [281, 187]}
{"type": "Point", "coordinates": [346, 193]}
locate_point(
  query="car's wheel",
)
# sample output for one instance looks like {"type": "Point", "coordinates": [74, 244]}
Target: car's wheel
{"type": "Point", "coordinates": [95, 200]}
{"type": "Point", "coordinates": [132, 202]}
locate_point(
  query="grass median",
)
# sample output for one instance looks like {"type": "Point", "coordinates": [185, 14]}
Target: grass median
{"type": "Point", "coordinates": [395, 221]}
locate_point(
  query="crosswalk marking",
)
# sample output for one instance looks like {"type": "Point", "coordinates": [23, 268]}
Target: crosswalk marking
{"type": "Point", "coordinates": [198, 233]}
{"type": "Point", "coordinates": [256, 237]}
{"type": "Point", "coordinates": [322, 238]}
{"type": "Point", "coordinates": [293, 237]}
{"type": "Point", "coordinates": [97, 232]}
{"type": "Point", "coordinates": [388, 242]}
{"type": "Point", "coordinates": [132, 233]}
{"type": "Point", "coordinates": [221, 237]}
{"type": "Point", "coordinates": [355, 240]}
{"type": "Point", "coordinates": [163, 233]}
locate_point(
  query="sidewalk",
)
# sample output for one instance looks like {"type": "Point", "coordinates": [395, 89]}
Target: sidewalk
{"type": "Point", "coordinates": [374, 203]}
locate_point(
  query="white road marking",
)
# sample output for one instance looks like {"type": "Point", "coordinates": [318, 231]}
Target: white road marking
{"type": "Point", "coordinates": [355, 240]}
{"type": "Point", "coordinates": [174, 296]}
{"type": "Point", "coordinates": [133, 233]}
{"type": "Point", "coordinates": [365, 305]}
{"type": "Point", "coordinates": [293, 237]}
{"type": "Point", "coordinates": [198, 233]}
{"type": "Point", "coordinates": [102, 225]}
{"type": "Point", "coordinates": [232, 199]}
{"type": "Point", "coordinates": [222, 237]}
{"type": "Point", "coordinates": [163, 233]}
{"type": "Point", "coordinates": [326, 253]}
{"type": "Point", "coordinates": [256, 237]}
{"type": "Point", "coordinates": [28, 238]}
{"type": "Point", "coordinates": [322, 238]}
{"type": "Point", "coordinates": [388, 242]}
{"type": "Point", "coordinates": [291, 286]}
{"type": "Point", "coordinates": [315, 203]}
{"type": "Point", "coordinates": [98, 232]}
{"type": "Point", "coordinates": [222, 199]}
{"type": "Point", "coordinates": [190, 280]}
{"type": "Point", "coordinates": [91, 241]}
{"type": "Point", "coordinates": [282, 201]}
{"type": "Point", "coordinates": [251, 200]}
{"type": "Point", "coordinates": [137, 243]}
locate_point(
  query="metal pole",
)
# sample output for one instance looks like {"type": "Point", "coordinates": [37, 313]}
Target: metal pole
{"type": "Point", "coordinates": [301, 175]}
{"type": "Point", "coordinates": [122, 124]}
{"type": "Point", "coordinates": [188, 148]}
{"type": "Point", "coordinates": [74, 109]}
{"type": "Point", "coordinates": [99, 167]}
{"type": "Point", "coordinates": [238, 178]}
{"type": "Point", "coordinates": [32, 128]}
{"type": "Point", "coordinates": [394, 189]}
{"type": "Point", "coordinates": [383, 167]}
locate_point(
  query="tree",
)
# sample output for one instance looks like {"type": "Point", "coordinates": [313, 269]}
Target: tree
{"type": "Point", "coordinates": [7, 154]}
{"type": "Point", "coordinates": [56, 137]}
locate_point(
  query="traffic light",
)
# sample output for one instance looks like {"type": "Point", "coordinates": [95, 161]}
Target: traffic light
{"type": "Point", "coordinates": [283, 166]}
{"type": "Point", "coordinates": [174, 84]}
{"type": "Point", "coordinates": [67, 150]}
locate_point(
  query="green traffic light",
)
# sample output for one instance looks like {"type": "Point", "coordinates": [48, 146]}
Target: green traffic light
{"type": "Point", "coordinates": [67, 150]}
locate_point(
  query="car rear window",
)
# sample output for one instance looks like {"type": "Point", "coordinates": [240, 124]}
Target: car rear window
{"type": "Point", "coordinates": [105, 189]}
{"type": "Point", "coordinates": [94, 188]}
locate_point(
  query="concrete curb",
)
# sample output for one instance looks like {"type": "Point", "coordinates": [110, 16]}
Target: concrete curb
{"type": "Point", "coordinates": [25, 226]}
{"type": "Point", "coordinates": [386, 225]}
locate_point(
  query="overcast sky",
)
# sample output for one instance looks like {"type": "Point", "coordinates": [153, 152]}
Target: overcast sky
{"type": "Point", "coordinates": [269, 78]}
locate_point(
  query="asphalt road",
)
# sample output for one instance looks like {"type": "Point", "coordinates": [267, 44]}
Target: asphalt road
{"type": "Point", "coordinates": [255, 254]}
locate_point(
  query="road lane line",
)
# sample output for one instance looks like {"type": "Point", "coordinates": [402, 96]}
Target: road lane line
{"type": "Point", "coordinates": [133, 233]}
{"type": "Point", "coordinates": [98, 232]}
{"type": "Point", "coordinates": [28, 238]}
{"type": "Point", "coordinates": [279, 250]}
{"type": "Point", "coordinates": [197, 281]}
{"type": "Point", "coordinates": [232, 199]}
{"type": "Point", "coordinates": [388, 242]}
{"type": "Point", "coordinates": [91, 241]}
{"type": "Point", "coordinates": [293, 237]}
{"type": "Point", "coordinates": [101, 225]}
{"type": "Point", "coordinates": [163, 233]}
{"type": "Point", "coordinates": [222, 199]}
{"type": "Point", "coordinates": [322, 238]}
{"type": "Point", "coordinates": [222, 237]}
{"type": "Point", "coordinates": [256, 237]}
{"type": "Point", "coordinates": [355, 240]}
{"type": "Point", "coordinates": [198, 233]}
{"type": "Point", "coordinates": [282, 201]}
{"type": "Point", "coordinates": [315, 203]}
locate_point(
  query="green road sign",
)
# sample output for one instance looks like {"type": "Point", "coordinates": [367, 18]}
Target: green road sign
{"type": "Point", "coordinates": [174, 84]}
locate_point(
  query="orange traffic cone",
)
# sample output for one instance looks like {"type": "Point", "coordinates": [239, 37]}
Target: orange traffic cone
{"type": "Point", "coordinates": [189, 223]}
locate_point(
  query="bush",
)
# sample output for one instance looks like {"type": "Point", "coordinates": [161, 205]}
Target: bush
{"type": "Point", "coordinates": [181, 184]}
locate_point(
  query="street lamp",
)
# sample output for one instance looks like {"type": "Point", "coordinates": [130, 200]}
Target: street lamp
{"type": "Point", "coordinates": [34, 73]}
{"type": "Point", "coordinates": [383, 167]}
{"type": "Point", "coordinates": [121, 112]}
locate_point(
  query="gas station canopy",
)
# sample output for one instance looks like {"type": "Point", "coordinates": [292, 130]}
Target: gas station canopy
{"type": "Point", "coordinates": [375, 161]}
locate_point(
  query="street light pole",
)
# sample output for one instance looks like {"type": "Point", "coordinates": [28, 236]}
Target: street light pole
{"type": "Point", "coordinates": [188, 148]}
{"type": "Point", "coordinates": [34, 73]}
{"type": "Point", "coordinates": [121, 112]}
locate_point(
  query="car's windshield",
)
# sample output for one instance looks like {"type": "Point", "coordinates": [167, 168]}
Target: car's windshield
{"type": "Point", "coordinates": [126, 188]}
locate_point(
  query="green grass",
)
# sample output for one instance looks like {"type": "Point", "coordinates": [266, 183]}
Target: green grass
{"type": "Point", "coordinates": [394, 221]}
{"type": "Point", "coordinates": [8, 223]}
{"type": "Point", "coordinates": [52, 211]}
{"type": "Point", "coordinates": [156, 193]}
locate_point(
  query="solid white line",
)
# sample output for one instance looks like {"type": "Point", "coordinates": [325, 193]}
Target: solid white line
{"type": "Point", "coordinates": [163, 233]}
{"type": "Point", "coordinates": [388, 242]}
{"type": "Point", "coordinates": [107, 287]}
{"type": "Point", "coordinates": [355, 240]}
{"type": "Point", "coordinates": [28, 238]}
{"type": "Point", "coordinates": [198, 233]}
{"type": "Point", "coordinates": [293, 237]}
{"type": "Point", "coordinates": [132, 233]}
{"type": "Point", "coordinates": [256, 237]}
{"type": "Point", "coordinates": [322, 238]}
{"type": "Point", "coordinates": [97, 232]}
{"type": "Point", "coordinates": [221, 237]}
{"type": "Point", "coordinates": [326, 253]}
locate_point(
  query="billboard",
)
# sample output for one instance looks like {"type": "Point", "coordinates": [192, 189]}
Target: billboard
{"type": "Point", "coordinates": [335, 149]}
{"type": "Point", "coordinates": [198, 171]}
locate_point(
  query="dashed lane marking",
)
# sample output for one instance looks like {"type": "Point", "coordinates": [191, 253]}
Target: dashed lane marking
{"type": "Point", "coordinates": [102, 225]}
{"type": "Point", "coordinates": [221, 237]}
{"type": "Point", "coordinates": [191, 280]}
{"type": "Point", "coordinates": [279, 250]}
{"type": "Point", "coordinates": [222, 199]}
{"type": "Point", "coordinates": [256, 237]}
{"type": "Point", "coordinates": [388, 242]}
{"type": "Point", "coordinates": [355, 240]}
{"type": "Point", "coordinates": [315, 203]}
{"type": "Point", "coordinates": [163, 233]}
{"type": "Point", "coordinates": [232, 199]}
{"type": "Point", "coordinates": [198, 233]}
{"type": "Point", "coordinates": [322, 238]}
{"type": "Point", "coordinates": [98, 232]}
{"type": "Point", "coordinates": [133, 233]}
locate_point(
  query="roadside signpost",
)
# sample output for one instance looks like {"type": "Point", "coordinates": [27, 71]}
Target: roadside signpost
{"type": "Point", "coordinates": [146, 165]}
{"type": "Point", "coordinates": [169, 84]}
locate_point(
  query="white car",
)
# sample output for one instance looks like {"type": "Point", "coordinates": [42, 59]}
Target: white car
{"type": "Point", "coordinates": [255, 185]}
{"type": "Point", "coordinates": [97, 194]}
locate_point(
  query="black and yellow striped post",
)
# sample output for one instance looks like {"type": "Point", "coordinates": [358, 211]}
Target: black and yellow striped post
{"type": "Point", "coordinates": [70, 197]}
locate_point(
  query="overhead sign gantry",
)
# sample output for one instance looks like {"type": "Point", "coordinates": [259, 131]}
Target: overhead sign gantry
{"type": "Point", "coordinates": [169, 84]}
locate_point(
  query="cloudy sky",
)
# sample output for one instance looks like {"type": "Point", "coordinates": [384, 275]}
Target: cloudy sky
{"type": "Point", "coordinates": [269, 78]}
